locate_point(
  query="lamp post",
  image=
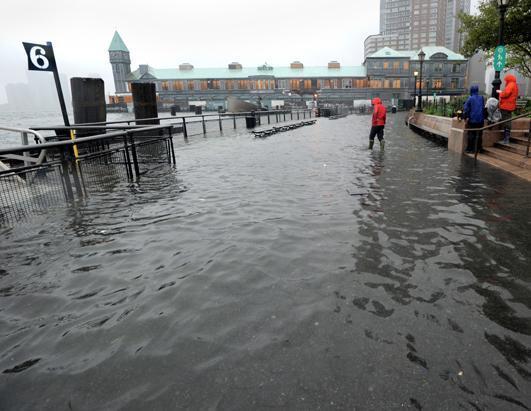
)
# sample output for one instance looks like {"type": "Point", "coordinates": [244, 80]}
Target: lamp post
{"type": "Point", "coordinates": [502, 7]}
{"type": "Point", "coordinates": [422, 55]}
{"type": "Point", "coordinates": [415, 75]}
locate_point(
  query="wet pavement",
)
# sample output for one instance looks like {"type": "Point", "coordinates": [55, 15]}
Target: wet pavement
{"type": "Point", "coordinates": [299, 271]}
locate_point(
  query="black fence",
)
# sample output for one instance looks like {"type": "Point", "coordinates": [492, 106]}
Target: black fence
{"type": "Point", "coordinates": [108, 154]}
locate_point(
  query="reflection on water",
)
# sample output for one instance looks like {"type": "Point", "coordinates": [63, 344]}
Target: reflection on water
{"type": "Point", "coordinates": [299, 271]}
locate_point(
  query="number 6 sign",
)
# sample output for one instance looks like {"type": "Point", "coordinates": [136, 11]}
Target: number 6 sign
{"type": "Point", "coordinates": [40, 57]}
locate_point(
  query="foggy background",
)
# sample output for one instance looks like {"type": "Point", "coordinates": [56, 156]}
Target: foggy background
{"type": "Point", "coordinates": [164, 33]}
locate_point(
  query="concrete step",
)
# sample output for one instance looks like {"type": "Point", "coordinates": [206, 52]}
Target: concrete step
{"type": "Point", "coordinates": [519, 140]}
{"type": "Point", "coordinates": [508, 157]}
{"type": "Point", "coordinates": [502, 165]}
{"type": "Point", "coordinates": [512, 147]}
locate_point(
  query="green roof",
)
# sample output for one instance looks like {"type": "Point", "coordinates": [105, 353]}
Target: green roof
{"type": "Point", "coordinates": [388, 52]}
{"type": "Point", "coordinates": [246, 72]}
{"type": "Point", "coordinates": [117, 44]}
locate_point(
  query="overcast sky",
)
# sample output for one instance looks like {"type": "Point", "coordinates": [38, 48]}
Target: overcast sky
{"type": "Point", "coordinates": [164, 33]}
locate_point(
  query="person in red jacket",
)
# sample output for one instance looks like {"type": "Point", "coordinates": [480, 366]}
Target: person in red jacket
{"type": "Point", "coordinates": [379, 115]}
{"type": "Point", "coordinates": [508, 104]}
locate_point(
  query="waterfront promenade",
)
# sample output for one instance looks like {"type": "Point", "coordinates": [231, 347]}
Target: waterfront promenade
{"type": "Point", "coordinates": [300, 271]}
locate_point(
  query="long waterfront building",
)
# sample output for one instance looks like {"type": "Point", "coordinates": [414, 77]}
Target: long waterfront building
{"type": "Point", "coordinates": [387, 74]}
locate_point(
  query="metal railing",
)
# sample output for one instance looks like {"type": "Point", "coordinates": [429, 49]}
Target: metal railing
{"type": "Point", "coordinates": [509, 120]}
{"type": "Point", "coordinates": [24, 132]}
{"type": "Point", "coordinates": [83, 158]}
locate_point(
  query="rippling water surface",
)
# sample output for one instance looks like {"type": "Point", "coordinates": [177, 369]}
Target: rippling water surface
{"type": "Point", "coordinates": [300, 272]}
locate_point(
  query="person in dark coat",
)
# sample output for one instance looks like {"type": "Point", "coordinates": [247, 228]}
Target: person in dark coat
{"type": "Point", "coordinates": [473, 113]}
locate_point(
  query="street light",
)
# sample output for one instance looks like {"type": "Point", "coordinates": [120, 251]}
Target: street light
{"type": "Point", "coordinates": [422, 55]}
{"type": "Point", "coordinates": [415, 75]}
{"type": "Point", "coordinates": [502, 7]}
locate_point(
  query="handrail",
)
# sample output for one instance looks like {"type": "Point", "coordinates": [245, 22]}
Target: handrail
{"type": "Point", "coordinates": [499, 122]}
{"type": "Point", "coordinates": [239, 114]}
{"type": "Point", "coordinates": [24, 130]}
{"type": "Point", "coordinates": [96, 137]}
{"type": "Point", "coordinates": [24, 137]}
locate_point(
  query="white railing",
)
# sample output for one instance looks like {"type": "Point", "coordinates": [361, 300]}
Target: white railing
{"type": "Point", "coordinates": [24, 133]}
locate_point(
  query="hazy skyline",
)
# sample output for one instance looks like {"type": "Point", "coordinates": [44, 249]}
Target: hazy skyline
{"type": "Point", "coordinates": [165, 33]}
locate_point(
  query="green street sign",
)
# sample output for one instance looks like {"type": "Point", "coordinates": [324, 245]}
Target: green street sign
{"type": "Point", "coordinates": [500, 55]}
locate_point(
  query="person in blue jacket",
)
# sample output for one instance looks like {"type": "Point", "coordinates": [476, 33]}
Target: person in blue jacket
{"type": "Point", "coordinates": [473, 113]}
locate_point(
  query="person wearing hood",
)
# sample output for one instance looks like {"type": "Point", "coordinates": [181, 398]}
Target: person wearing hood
{"type": "Point", "coordinates": [474, 116]}
{"type": "Point", "coordinates": [508, 99]}
{"type": "Point", "coordinates": [379, 116]}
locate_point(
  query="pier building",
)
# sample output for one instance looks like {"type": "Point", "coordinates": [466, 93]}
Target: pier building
{"type": "Point", "coordinates": [388, 74]}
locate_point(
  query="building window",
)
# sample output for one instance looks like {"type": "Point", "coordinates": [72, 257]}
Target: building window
{"type": "Point", "coordinates": [243, 84]}
{"type": "Point", "coordinates": [228, 85]}
{"type": "Point", "coordinates": [454, 83]}
{"type": "Point", "coordinates": [406, 65]}
{"type": "Point", "coordinates": [385, 65]}
{"type": "Point", "coordinates": [438, 67]}
{"type": "Point", "coordinates": [437, 83]}
{"type": "Point", "coordinates": [294, 84]}
{"type": "Point", "coordinates": [456, 68]}
{"type": "Point", "coordinates": [396, 66]}
{"type": "Point", "coordinates": [396, 83]}
{"type": "Point", "coordinates": [204, 85]}
{"type": "Point", "coordinates": [178, 85]}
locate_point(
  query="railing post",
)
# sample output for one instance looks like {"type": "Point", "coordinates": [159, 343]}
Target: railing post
{"type": "Point", "coordinates": [528, 139]}
{"type": "Point", "coordinates": [220, 123]}
{"type": "Point", "coordinates": [203, 121]}
{"type": "Point", "coordinates": [284, 115]}
{"type": "Point", "coordinates": [268, 118]}
{"type": "Point", "coordinates": [25, 142]}
{"type": "Point", "coordinates": [127, 159]}
{"type": "Point", "coordinates": [234, 121]}
{"type": "Point", "coordinates": [185, 132]}
{"type": "Point", "coordinates": [133, 152]}
{"type": "Point", "coordinates": [304, 114]}
{"type": "Point", "coordinates": [170, 131]}
{"type": "Point", "coordinates": [298, 113]}
{"type": "Point", "coordinates": [69, 193]}
{"type": "Point", "coordinates": [291, 114]}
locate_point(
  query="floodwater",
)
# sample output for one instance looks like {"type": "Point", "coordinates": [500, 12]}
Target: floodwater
{"type": "Point", "coordinates": [296, 272]}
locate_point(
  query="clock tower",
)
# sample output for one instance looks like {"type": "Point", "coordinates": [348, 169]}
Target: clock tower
{"type": "Point", "coordinates": [121, 63]}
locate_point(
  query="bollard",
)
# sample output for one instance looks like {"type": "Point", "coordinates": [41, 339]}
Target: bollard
{"type": "Point", "coordinates": [185, 132]}
{"type": "Point", "coordinates": [298, 113]}
{"type": "Point", "coordinates": [145, 102]}
{"type": "Point", "coordinates": [304, 114]}
{"type": "Point", "coordinates": [88, 100]}
{"type": "Point", "coordinates": [220, 123]}
{"type": "Point", "coordinates": [284, 116]}
{"type": "Point", "coordinates": [268, 118]}
{"type": "Point", "coordinates": [204, 126]}
{"type": "Point", "coordinates": [291, 113]}
{"type": "Point", "coordinates": [234, 121]}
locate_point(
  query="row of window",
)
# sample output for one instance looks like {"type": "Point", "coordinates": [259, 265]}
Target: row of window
{"type": "Point", "coordinates": [296, 84]}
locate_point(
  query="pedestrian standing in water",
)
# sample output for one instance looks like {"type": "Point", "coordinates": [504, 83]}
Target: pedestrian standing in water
{"type": "Point", "coordinates": [508, 104]}
{"type": "Point", "coordinates": [379, 115]}
{"type": "Point", "coordinates": [473, 113]}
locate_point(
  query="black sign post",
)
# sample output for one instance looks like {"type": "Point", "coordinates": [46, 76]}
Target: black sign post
{"type": "Point", "coordinates": [41, 58]}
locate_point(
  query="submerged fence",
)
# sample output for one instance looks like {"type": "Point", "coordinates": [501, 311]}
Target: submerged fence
{"type": "Point", "coordinates": [67, 167]}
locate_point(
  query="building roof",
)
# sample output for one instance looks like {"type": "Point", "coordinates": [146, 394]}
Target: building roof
{"type": "Point", "coordinates": [246, 72]}
{"type": "Point", "coordinates": [388, 52]}
{"type": "Point", "coordinates": [117, 44]}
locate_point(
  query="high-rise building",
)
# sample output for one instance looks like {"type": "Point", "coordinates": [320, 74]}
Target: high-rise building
{"type": "Point", "coordinates": [412, 24]}
{"type": "Point", "coordinates": [453, 38]}
{"type": "Point", "coordinates": [120, 61]}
